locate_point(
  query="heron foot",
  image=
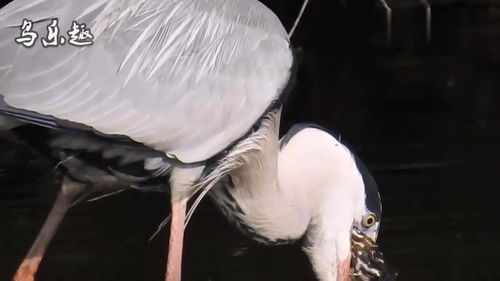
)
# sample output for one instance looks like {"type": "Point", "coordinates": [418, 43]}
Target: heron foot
{"type": "Point", "coordinates": [27, 270]}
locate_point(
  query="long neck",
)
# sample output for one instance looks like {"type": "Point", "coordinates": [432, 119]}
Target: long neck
{"type": "Point", "coordinates": [266, 207]}
{"type": "Point", "coordinates": [259, 171]}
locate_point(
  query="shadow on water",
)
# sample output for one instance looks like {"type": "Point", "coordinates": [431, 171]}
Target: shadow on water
{"type": "Point", "coordinates": [426, 120]}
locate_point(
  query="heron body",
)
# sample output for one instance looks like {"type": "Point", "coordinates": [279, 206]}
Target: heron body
{"type": "Point", "coordinates": [190, 90]}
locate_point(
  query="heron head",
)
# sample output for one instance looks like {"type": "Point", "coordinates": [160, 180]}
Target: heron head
{"type": "Point", "coordinates": [341, 240]}
{"type": "Point", "coordinates": [367, 262]}
{"type": "Point", "coordinates": [344, 203]}
{"type": "Point", "coordinates": [368, 222]}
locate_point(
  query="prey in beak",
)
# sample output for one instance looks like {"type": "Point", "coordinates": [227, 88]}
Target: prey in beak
{"type": "Point", "coordinates": [367, 261]}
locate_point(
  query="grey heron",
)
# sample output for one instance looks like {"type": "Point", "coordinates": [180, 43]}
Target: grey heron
{"type": "Point", "coordinates": [192, 90]}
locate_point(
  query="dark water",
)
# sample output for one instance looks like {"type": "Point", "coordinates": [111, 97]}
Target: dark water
{"type": "Point", "coordinates": [425, 118]}
{"type": "Point", "coordinates": [439, 225]}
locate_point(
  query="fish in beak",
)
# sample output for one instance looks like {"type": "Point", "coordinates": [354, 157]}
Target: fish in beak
{"type": "Point", "coordinates": [367, 261]}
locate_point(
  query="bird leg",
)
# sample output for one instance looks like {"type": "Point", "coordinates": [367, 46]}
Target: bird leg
{"type": "Point", "coordinates": [174, 262]}
{"type": "Point", "coordinates": [29, 266]}
{"type": "Point", "coordinates": [181, 184]}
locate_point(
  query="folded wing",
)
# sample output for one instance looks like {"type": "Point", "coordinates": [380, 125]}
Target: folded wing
{"type": "Point", "coordinates": [186, 77]}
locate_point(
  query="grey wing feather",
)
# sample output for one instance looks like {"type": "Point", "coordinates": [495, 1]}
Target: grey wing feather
{"type": "Point", "coordinates": [187, 77]}
{"type": "Point", "coordinates": [26, 116]}
{"type": "Point", "coordinates": [44, 120]}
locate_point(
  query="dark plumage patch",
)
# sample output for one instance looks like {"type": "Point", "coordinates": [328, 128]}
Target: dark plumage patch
{"type": "Point", "coordinates": [372, 200]}
{"type": "Point", "coordinates": [96, 160]}
{"type": "Point", "coordinates": [227, 194]}
{"type": "Point", "coordinates": [230, 182]}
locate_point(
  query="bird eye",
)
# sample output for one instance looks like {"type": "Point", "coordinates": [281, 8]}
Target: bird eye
{"type": "Point", "coordinates": [369, 220]}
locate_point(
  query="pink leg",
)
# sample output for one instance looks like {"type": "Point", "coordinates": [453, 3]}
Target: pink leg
{"type": "Point", "coordinates": [29, 266]}
{"type": "Point", "coordinates": [174, 263]}
{"type": "Point", "coordinates": [343, 269]}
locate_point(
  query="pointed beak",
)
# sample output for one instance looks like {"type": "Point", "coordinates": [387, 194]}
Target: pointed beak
{"type": "Point", "coordinates": [372, 233]}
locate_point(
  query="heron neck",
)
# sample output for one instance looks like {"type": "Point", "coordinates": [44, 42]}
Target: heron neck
{"type": "Point", "coordinates": [267, 207]}
{"type": "Point", "coordinates": [259, 170]}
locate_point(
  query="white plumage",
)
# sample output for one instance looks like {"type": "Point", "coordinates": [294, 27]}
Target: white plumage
{"type": "Point", "coordinates": [283, 191]}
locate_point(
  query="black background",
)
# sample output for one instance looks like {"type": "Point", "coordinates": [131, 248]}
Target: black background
{"type": "Point", "coordinates": [424, 117]}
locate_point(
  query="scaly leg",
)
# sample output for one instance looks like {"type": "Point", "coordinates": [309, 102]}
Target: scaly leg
{"type": "Point", "coordinates": [29, 266]}
{"type": "Point", "coordinates": [174, 263]}
{"type": "Point", "coordinates": [181, 182]}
